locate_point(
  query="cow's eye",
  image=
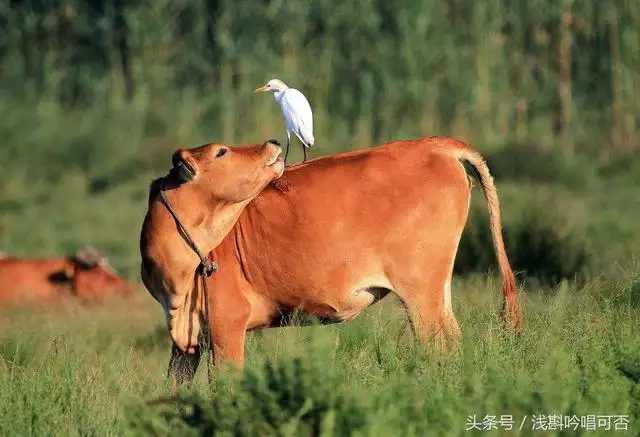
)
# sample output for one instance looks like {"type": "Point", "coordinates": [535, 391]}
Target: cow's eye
{"type": "Point", "coordinates": [221, 153]}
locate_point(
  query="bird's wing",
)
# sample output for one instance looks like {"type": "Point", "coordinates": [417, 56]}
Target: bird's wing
{"type": "Point", "coordinates": [298, 115]}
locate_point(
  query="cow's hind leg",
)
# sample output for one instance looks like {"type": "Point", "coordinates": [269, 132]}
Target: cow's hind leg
{"type": "Point", "coordinates": [182, 366]}
{"type": "Point", "coordinates": [428, 301]}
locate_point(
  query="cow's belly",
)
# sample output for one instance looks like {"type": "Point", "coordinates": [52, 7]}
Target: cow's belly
{"type": "Point", "coordinates": [351, 304]}
{"type": "Point", "coordinates": [335, 297]}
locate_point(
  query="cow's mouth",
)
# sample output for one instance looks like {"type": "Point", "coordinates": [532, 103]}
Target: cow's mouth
{"type": "Point", "coordinates": [186, 169]}
{"type": "Point", "coordinates": [182, 170]}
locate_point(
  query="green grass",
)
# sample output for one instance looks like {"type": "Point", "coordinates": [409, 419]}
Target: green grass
{"type": "Point", "coordinates": [89, 370]}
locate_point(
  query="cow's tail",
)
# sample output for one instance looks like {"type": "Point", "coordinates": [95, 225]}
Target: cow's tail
{"type": "Point", "coordinates": [468, 155]}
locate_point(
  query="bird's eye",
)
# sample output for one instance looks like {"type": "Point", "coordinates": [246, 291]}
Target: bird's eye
{"type": "Point", "coordinates": [221, 153]}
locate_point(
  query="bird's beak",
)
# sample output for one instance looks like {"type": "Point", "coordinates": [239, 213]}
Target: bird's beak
{"type": "Point", "coordinates": [262, 88]}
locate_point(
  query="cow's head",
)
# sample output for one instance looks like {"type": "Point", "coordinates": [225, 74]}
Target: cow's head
{"type": "Point", "coordinates": [220, 173]}
{"type": "Point", "coordinates": [92, 278]}
{"type": "Point", "coordinates": [207, 188]}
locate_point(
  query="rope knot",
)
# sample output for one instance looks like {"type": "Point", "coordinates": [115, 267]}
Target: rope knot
{"type": "Point", "coordinates": [207, 267]}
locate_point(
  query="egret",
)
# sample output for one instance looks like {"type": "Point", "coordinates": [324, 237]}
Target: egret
{"type": "Point", "coordinates": [296, 112]}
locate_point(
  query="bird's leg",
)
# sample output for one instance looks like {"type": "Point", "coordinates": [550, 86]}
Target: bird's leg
{"type": "Point", "coordinates": [304, 151]}
{"type": "Point", "coordinates": [287, 152]}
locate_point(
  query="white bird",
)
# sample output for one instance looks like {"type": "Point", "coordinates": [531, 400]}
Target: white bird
{"type": "Point", "coordinates": [296, 112]}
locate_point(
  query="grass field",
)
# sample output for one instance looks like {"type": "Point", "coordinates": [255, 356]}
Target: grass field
{"type": "Point", "coordinates": [80, 371]}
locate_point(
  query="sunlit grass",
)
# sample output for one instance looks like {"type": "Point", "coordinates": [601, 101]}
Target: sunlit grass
{"type": "Point", "coordinates": [81, 370]}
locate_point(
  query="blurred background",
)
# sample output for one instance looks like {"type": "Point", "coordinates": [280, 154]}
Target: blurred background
{"type": "Point", "coordinates": [96, 95]}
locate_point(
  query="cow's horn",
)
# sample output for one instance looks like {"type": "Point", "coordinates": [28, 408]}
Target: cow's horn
{"type": "Point", "coordinates": [88, 256]}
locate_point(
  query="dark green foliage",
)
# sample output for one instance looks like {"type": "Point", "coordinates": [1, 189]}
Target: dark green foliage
{"type": "Point", "coordinates": [628, 364]}
{"type": "Point", "coordinates": [532, 163]}
{"type": "Point", "coordinates": [635, 294]}
{"type": "Point", "coordinates": [491, 71]}
{"type": "Point", "coordinates": [624, 168]}
{"type": "Point", "coordinates": [156, 339]}
{"type": "Point", "coordinates": [539, 250]}
{"type": "Point", "coordinates": [538, 245]}
{"type": "Point", "coordinates": [16, 353]}
{"type": "Point", "coordinates": [292, 398]}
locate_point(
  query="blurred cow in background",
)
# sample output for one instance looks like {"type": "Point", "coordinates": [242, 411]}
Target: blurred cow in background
{"type": "Point", "coordinates": [86, 275]}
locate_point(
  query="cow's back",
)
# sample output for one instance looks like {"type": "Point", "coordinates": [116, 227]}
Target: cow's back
{"type": "Point", "coordinates": [346, 220]}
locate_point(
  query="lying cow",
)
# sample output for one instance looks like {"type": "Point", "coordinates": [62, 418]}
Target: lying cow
{"type": "Point", "coordinates": [86, 275]}
{"type": "Point", "coordinates": [329, 237]}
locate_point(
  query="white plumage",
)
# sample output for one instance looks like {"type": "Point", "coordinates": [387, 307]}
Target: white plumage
{"type": "Point", "coordinates": [296, 112]}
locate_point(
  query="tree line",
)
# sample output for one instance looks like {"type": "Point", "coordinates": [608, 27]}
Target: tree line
{"type": "Point", "coordinates": [496, 68]}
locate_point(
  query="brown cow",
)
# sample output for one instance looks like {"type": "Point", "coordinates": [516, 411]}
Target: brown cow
{"type": "Point", "coordinates": [330, 237]}
{"type": "Point", "coordinates": [86, 275]}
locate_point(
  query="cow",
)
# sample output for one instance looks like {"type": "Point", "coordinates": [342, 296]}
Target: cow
{"type": "Point", "coordinates": [85, 275]}
{"type": "Point", "coordinates": [329, 237]}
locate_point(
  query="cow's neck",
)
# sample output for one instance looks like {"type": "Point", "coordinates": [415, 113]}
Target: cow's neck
{"type": "Point", "coordinates": [207, 220]}
{"type": "Point", "coordinates": [219, 221]}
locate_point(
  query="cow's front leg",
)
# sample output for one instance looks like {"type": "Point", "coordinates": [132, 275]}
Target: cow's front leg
{"type": "Point", "coordinates": [228, 341]}
{"type": "Point", "coordinates": [229, 318]}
